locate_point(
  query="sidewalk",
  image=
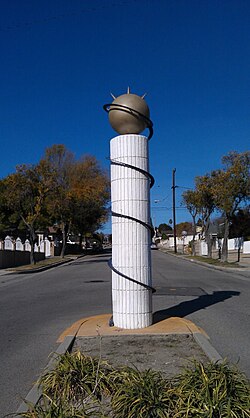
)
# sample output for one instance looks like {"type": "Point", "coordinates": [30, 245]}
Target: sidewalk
{"type": "Point", "coordinates": [242, 268]}
{"type": "Point", "coordinates": [40, 266]}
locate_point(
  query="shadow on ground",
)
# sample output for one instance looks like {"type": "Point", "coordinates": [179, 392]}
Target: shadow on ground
{"type": "Point", "coordinates": [186, 308]}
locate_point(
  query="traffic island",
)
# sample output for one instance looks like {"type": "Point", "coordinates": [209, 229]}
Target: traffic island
{"type": "Point", "coordinates": [165, 347]}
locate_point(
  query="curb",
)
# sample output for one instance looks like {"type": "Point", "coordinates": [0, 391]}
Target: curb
{"type": "Point", "coordinates": [43, 268]}
{"type": "Point", "coordinates": [207, 347]}
{"type": "Point", "coordinates": [35, 393]}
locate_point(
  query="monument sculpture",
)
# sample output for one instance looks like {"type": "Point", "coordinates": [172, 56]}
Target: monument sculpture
{"type": "Point", "coordinates": [132, 287]}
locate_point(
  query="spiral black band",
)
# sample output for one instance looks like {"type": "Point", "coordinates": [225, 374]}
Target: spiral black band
{"type": "Point", "coordinates": [146, 225]}
{"type": "Point", "coordinates": [152, 180]}
{"type": "Point", "coordinates": [146, 286]}
{"type": "Point", "coordinates": [120, 215]}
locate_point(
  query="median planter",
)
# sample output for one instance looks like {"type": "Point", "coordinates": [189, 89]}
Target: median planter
{"type": "Point", "coordinates": [83, 386]}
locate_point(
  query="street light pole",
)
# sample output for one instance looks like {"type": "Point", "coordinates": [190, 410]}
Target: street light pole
{"type": "Point", "coordinates": [174, 219]}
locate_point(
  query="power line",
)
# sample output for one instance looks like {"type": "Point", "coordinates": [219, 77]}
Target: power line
{"type": "Point", "coordinates": [183, 187]}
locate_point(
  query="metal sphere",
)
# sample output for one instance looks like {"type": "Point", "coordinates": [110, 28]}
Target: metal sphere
{"type": "Point", "coordinates": [129, 114]}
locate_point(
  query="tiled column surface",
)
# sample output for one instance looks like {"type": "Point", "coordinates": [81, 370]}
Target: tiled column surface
{"type": "Point", "coordinates": [132, 303]}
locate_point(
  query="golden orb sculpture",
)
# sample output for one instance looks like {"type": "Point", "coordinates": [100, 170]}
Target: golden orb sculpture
{"type": "Point", "coordinates": [129, 114]}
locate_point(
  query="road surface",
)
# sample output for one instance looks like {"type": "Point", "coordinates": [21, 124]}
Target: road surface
{"type": "Point", "coordinates": [217, 301]}
{"type": "Point", "coordinates": [36, 308]}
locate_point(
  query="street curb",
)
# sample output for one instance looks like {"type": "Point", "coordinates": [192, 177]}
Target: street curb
{"type": "Point", "coordinates": [35, 393]}
{"type": "Point", "coordinates": [43, 268]}
{"type": "Point", "coordinates": [207, 347]}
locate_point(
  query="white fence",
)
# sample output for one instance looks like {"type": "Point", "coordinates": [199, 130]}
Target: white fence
{"type": "Point", "coordinates": [182, 243]}
{"type": "Point", "coordinates": [16, 245]}
{"type": "Point", "coordinates": [246, 247]}
{"type": "Point", "coordinates": [233, 244]}
{"type": "Point", "coordinates": [15, 253]}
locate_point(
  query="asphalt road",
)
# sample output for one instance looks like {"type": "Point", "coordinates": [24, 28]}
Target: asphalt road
{"type": "Point", "coordinates": [217, 301]}
{"type": "Point", "coordinates": [36, 308]}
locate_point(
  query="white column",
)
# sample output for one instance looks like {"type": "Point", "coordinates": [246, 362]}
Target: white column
{"type": "Point", "coordinates": [131, 255]}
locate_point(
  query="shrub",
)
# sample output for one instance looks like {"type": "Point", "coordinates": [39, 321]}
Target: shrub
{"type": "Point", "coordinates": [47, 408]}
{"type": "Point", "coordinates": [76, 376]}
{"type": "Point", "coordinates": [83, 387]}
{"type": "Point", "coordinates": [141, 394]}
{"type": "Point", "coordinates": [214, 390]}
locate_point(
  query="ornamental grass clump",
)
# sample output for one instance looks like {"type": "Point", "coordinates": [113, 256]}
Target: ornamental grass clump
{"type": "Point", "coordinates": [141, 395]}
{"type": "Point", "coordinates": [47, 408]}
{"type": "Point", "coordinates": [77, 378]}
{"type": "Point", "coordinates": [214, 390]}
{"type": "Point", "coordinates": [82, 387]}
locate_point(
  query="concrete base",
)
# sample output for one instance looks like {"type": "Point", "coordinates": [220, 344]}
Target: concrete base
{"type": "Point", "coordinates": [99, 324]}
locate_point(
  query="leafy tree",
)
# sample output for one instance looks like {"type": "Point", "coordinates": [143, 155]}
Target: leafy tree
{"type": "Point", "coordinates": [90, 188]}
{"type": "Point", "coordinates": [24, 193]}
{"type": "Point", "coordinates": [164, 228]}
{"type": "Point", "coordinates": [240, 224]}
{"type": "Point", "coordinates": [59, 190]}
{"type": "Point", "coordinates": [200, 202]}
{"type": "Point", "coordinates": [58, 163]}
{"type": "Point", "coordinates": [184, 226]}
{"type": "Point", "coordinates": [79, 191]}
{"type": "Point", "coordinates": [192, 200]}
{"type": "Point", "coordinates": [5, 213]}
{"type": "Point", "coordinates": [206, 205]}
{"type": "Point", "coordinates": [231, 188]}
{"type": "Point", "coordinates": [87, 216]}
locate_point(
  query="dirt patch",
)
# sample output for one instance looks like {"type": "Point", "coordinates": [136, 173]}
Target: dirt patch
{"type": "Point", "coordinates": [165, 353]}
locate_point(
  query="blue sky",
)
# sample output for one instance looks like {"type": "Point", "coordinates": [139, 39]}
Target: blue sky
{"type": "Point", "coordinates": [60, 60]}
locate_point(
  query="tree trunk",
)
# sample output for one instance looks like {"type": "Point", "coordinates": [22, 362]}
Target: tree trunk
{"type": "Point", "coordinates": [65, 231]}
{"type": "Point", "coordinates": [32, 245]}
{"type": "Point", "coordinates": [224, 252]}
{"type": "Point", "coordinates": [209, 246]}
{"type": "Point", "coordinates": [80, 241]}
{"type": "Point", "coordinates": [208, 240]}
{"type": "Point", "coordinates": [194, 233]}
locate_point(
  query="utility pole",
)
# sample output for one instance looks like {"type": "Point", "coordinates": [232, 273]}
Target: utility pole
{"type": "Point", "coordinates": [174, 219]}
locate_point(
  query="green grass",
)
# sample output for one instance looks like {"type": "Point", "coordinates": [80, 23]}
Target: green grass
{"type": "Point", "coordinates": [42, 263]}
{"type": "Point", "coordinates": [81, 386]}
{"type": "Point", "coordinates": [204, 259]}
{"type": "Point", "coordinates": [214, 261]}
